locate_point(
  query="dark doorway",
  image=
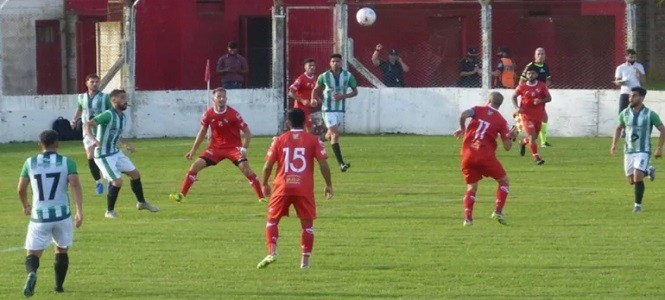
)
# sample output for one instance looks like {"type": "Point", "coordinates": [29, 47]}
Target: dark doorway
{"type": "Point", "coordinates": [256, 38]}
{"type": "Point", "coordinates": [49, 57]}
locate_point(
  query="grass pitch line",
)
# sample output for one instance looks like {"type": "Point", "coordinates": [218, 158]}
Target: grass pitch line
{"type": "Point", "coordinates": [10, 249]}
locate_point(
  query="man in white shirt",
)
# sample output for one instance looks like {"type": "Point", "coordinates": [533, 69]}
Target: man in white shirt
{"type": "Point", "coordinates": [627, 76]}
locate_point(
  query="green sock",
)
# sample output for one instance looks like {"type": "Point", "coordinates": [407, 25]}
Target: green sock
{"type": "Point", "coordinates": [543, 133]}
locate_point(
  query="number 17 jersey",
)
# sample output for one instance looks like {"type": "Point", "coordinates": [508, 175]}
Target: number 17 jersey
{"type": "Point", "coordinates": [486, 125]}
{"type": "Point", "coordinates": [295, 151]}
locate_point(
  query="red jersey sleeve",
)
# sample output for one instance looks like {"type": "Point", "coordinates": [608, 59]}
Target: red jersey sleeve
{"type": "Point", "coordinates": [273, 155]}
{"type": "Point", "coordinates": [296, 85]}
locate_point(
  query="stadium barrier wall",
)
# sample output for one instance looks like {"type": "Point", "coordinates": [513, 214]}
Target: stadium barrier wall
{"type": "Point", "coordinates": [430, 111]}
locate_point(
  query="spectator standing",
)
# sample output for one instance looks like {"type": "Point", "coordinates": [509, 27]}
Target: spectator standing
{"type": "Point", "coordinates": [470, 69]}
{"type": "Point", "coordinates": [232, 67]}
{"type": "Point", "coordinates": [393, 69]}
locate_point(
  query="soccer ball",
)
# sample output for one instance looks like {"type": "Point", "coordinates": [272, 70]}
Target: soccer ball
{"type": "Point", "coordinates": [366, 16]}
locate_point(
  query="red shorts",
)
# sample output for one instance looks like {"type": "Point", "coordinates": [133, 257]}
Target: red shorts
{"type": "Point", "coordinates": [214, 155]}
{"type": "Point", "coordinates": [531, 126]}
{"type": "Point", "coordinates": [279, 207]}
{"type": "Point", "coordinates": [474, 169]}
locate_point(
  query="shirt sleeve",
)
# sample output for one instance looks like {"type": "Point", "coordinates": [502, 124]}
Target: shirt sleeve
{"type": "Point", "coordinates": [107, 100]}
{"type": "Point", "coordinates": [655, 119]}
{"type": "Point", "coordinates": [239, 121]}
{"type": "Point", "coordinates": [499, 66]}
{"type": "Point", "coordinates": [640, 68]}
{"type": "Point", "coordinates": [103, 118]}
{"type": "Point", "coordinates": [71, 167]}
{"type": "Point", "coordinates": [24, 170]}
{"type": "Point", "coordinates": [79, 105]}
{"type": "Point", "coordinates": [273, 154]}
{"type": "Point", "coordinates": [319, 80]}
{"type": "Point", "coordinates": [352, 81]}
{"type": "Point", "coordinates": [320, 151]}
{"type": "Point", "coordinates": [220, 63]}
{"type": "Point", "coordinates": [617, 73]}
{"type": "Point", "coordinates": [622, 119]}
{"type": "Point", "coordinates": [204, 119]}
{"type": "Point", "coordinates": [295, 86]}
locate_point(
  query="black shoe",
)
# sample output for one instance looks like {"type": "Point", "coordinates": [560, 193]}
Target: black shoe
{"type": "Point", "coordinates": [58, 290]}
{"type": "Point", "coordinates": [30, 283]}
{"type": "Point", "coordinates": [344, 166]}
{"type": "Point", "coordinates": [546, 144]}
{"type": "Point", "coordinates": [540, 161]}
{"type": "Point", "coordinates": [522, 149]}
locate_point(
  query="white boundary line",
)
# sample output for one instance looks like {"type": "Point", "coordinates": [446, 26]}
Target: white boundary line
{"type": "Point", "coordinates": [10, 249]}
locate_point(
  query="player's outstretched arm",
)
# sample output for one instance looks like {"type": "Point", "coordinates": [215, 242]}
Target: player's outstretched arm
{"type": "Point", "coordinates": [267, 170]}
{"type": "Point", "coordinates": [75, 185]}
{"type": "Point", "coordinates": [661, 140]}
{"type": "Point", "coordinates": [615, 139]}
{"type": "Point", "coordinates": [22, 190]}
{"type": "Point", "coordinates": [200, 136]}
{"type": "Point", "coordinates": [325, 172]}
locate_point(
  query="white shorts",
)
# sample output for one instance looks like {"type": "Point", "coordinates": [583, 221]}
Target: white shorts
{"type": "Point", "coordinates": [114, 165]}
{"type": "Point", "coordinates": [86, 143]}
{"type": "Point", "coordinates": [332, 119]}
{"type": "Point", "coordinates": [40, 235]}
{"type": "Point", "coordinates": [635, 161]}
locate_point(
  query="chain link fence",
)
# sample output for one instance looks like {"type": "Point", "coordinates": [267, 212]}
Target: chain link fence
{"type": "Point", "coordinates": [584, 41]}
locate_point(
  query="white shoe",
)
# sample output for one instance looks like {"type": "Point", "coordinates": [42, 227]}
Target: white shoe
{"type": "Point", "coordinates": [110, 214]}
{"type": "Point", "coordinates": [637, 208]}
{"type": "Point", "coordinates": [651, 173]}
{"type": "Point", "coordinates": [146, 205]}
{"type": "Point", "coordinates": [468, 223]}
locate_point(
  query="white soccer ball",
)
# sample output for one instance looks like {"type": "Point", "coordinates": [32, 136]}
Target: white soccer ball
{"type": "Point", "coordinates": [366, 16]}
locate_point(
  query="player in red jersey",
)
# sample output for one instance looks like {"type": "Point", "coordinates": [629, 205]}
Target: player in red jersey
{"type": "Point", "coordinates": [479, 153]}
{"type": "Point", "coordinates": [301, 92]}
{"type": "Point", "coordinates": [226, 124]}
{"type": "Point", "coordinates": [294, 152]}
{"type": "Point", "coordinates": [534, 94]}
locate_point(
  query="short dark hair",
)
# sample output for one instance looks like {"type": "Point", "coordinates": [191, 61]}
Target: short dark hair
{"type": "Point", "coordinates": [219, 90]}
{"type": "Point", "coordinates": [48, 137]}
{"type": "Point", "coordinates": [117, 92]}
{"type": "Point", "coordinates": [639, 90]}
{"type": "Point", "coordinates": [233, 45]}
{"type": "Point", "coordinates": [309, 60]}
{"type": "Point", "coordinates": [631, 52]}
{"type": "Point", "coordinates": [336, 55]}
{"type": "Point", "coordinates": [296, 117]}
{"type": "Point", "coordinates": [91, 76]}
{"type": "Point", "coordinates": [531, 68]}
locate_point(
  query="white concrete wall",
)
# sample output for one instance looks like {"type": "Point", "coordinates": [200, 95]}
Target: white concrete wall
{"type": "Point", "coordinates": [418, 111]}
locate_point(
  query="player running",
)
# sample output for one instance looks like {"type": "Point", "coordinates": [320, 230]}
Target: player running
{"type": "Point", "coordinates": [534, 94]}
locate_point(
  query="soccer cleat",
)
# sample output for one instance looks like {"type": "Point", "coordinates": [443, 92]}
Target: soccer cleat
{"type": "Point", "coordinates": [58, 289]}
{"type": "Point", "coordinates": [266, 261]}
{"type": "Point", "coordinates": [303, 266]}
{"type": "Point", "coordinates": [30, 283]}
{"type": "Point", "coordinates": [500, 218]}
{"type": "Point", "coordinates": [177, 197]}
{"type": "Point", "coordinates": [637, 208]}
{"type": "Point", "coordinates": [146, 205]}
{"type": "Point", "coordinates": [99, 188]}
{"type": "Point", "coordinates": [468, 223]}
{"type": "Point", "coordinates": [651, 172]}
{"type": "Point", "coordinates": [344, 166]}
{"type": "Point", "coordinates": [540, 161]}
{"type": "Point", "coordinates": [110, 214]}
{"type": "Point", "coordinates": [263, 200]}
{"type": "Point", "coordinates": [545, 145]}
{"type": "Point", "coordinates": [522, 149]}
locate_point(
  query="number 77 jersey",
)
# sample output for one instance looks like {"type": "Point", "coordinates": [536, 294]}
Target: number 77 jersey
{"type": "Point", "coordinates": [294, 152]}
{"type": "Point", "coordinates": [486, 125]}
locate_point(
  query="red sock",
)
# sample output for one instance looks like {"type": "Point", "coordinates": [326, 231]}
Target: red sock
{"type": "Point", "coordinates": [272, 234]}
{"type": "Point", "coordinates": [307, 239]}
{"type": "Point", "coordinates": [469, 200]}
{"type": "Point", "coordinates": [254, 182]}
{"type": "Point", "coordinates": [534, 150]}
{"type": "Point", "coordinates": [187, 183]}
{"type": "Point", "coordinates": [501, 196]}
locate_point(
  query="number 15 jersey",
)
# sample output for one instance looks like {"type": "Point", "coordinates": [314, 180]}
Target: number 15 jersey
{"type": "Point", "coordinates": [295, 151]}
{"type": "Point", "coordinates": [486, 124]}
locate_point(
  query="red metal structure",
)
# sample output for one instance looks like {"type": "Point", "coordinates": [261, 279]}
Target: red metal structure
{"type": "Point", "coordinates": [175, 37]}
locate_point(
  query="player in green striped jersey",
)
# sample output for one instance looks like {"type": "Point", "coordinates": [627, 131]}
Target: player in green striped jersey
{"type": "Point", "coordinates": [637, 121]}
{"type": "Point", "coordinates": [91, 103]}
{"type": "Point", "coordinates": [110, 160]}
{"type": "Point", "coordinates": [49, 174]}
{"type": "Point", "coordinates": [331, 89]}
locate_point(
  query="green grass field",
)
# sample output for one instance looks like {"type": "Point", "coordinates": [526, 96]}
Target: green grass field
{"type": "Point", "coordinates": [393, 229]}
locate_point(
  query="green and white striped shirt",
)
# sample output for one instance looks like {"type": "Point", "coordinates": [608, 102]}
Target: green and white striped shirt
{"type": "Point", "coordinates": [335, 84]}
{"type": "Point", "coordinates": [93, 106]}
{"type": "Point", "coordinates": [638, 127]}
{"type": "Point", "coordinates": [48, 173]}
{"type": "Point", "coordinates": [109, 131]}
